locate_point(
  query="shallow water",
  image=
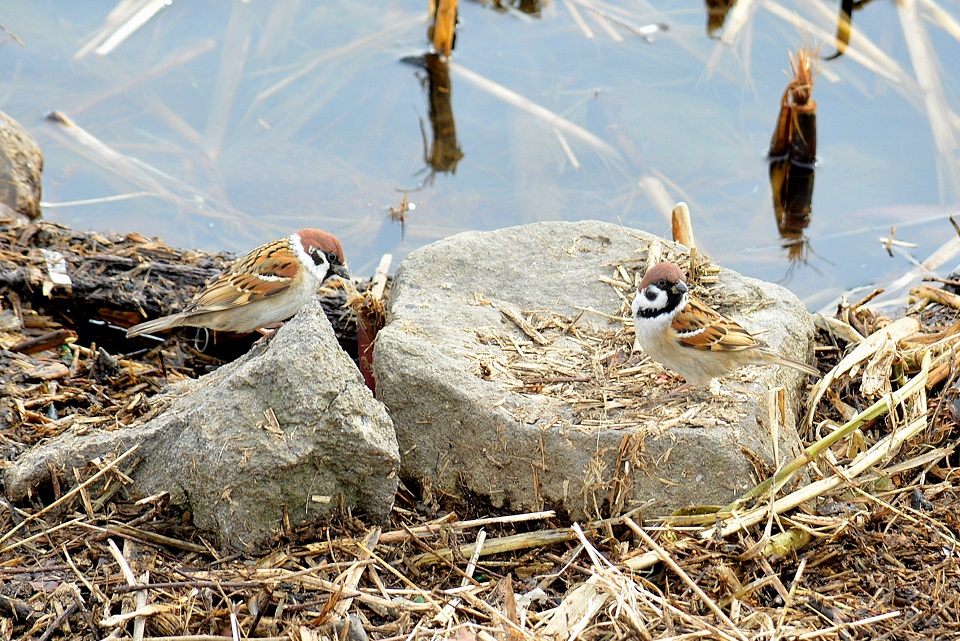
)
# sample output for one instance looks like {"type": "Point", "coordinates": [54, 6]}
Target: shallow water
{"type": "Point", "coordinates": [231, 123]}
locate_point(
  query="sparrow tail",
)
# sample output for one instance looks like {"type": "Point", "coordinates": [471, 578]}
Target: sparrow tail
{"type": "Point", "coordinates": [789, 362]}
{"type": "Point", "coordinates": [151, 326]}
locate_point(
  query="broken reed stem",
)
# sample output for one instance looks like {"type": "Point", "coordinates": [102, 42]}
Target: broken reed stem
{"type": "Point", "coordinates": [862, 463]}
{"type": "Point", "coordinates": [40, 535]}
{"type": "Point", "coordinates": [66, 497]}
{"type": "Point", "coordinates": [380, 276]}
{"type": "Point", "coordinates": [883, 405]}
{"type": "Point", "coordinates": [499, 545]}
{"type": "Point", "coordinates": [844, 626]}
{"type": "Point", "coordinates": [516, 542]}
{"type": "Point", "coordinates": [795, 132]}
{"type": "Point", "coordinates": [450, 522]}
{"type": "Point", "coordinates": [448, 610]}
{"type": "Point", "coordinates": [444, 14]}
{"type": "Point", "coordinates": [682, 225]}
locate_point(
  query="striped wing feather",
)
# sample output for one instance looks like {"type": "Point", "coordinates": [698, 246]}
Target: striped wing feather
{"type": "Point", "coordinates": [267, 271]}
{"type": "Point", "coordinates": [701, 327]}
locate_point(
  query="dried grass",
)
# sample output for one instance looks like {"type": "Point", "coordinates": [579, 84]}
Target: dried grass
{"type": "Point", "coordinates": [868, 549]}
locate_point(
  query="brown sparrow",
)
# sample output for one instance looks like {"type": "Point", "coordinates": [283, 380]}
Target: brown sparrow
{"type": "Point", "coordinates": [268, 285]}
{"type": "Point", "coordinates": [691, 338]}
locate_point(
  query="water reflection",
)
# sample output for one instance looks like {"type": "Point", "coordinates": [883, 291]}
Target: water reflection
{"type": "Point", "coordinates": [793, 153]}
{"type": "Point", "coordinates": [717, 15]}
{"type": "Point", "coordinates": [845, 24]}
{"type": "Point", "coordinates": [443, 151]}
{"type": "Point", "coordinates": [530, 7]}
{"type": "Point", "coordinates": [244, 120]}
{"type": "Point", "coordinates": [792, 188]}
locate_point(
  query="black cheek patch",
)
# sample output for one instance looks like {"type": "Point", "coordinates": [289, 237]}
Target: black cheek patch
{"type": "Point", "coordinates": [317, 256]}
{"type": "Point", "coordinates": [650, 295]}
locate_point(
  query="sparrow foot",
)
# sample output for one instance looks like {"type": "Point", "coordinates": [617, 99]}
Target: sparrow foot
{"type": "Point", "coordinates": [680, 390]}
{"type": "Point", "coordinates": [267, 331]}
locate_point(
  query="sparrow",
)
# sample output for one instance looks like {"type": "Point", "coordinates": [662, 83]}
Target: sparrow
{"type": "Point", "coordinates": [270, 284]}
{"type": "Point", "coordinates": [691, 338]}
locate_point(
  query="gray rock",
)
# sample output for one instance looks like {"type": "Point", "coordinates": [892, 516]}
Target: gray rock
{"type": "Point", "coordinates": [216, 449]}
{"type": "Point", "coordinates": [21, 164]}
{"type": "Point", "coordinates": [600, 436]}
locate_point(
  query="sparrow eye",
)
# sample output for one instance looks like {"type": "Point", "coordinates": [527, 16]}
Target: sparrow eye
{"type": "Point", "coordinates": [662, 283]}
{"type": "Point", "coordinates": [332, 258]}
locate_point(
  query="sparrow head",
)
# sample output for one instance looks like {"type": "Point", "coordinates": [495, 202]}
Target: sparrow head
{"type": "Point", "coordinates": [663, 291]}
{"type": "Point", "coordinates": [320, 252]}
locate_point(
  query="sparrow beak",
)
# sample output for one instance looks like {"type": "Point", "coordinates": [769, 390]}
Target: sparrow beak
{"type": "Point", "coordinates": [681, 287]}
{"type": "Point", "coordinates": [341, 271]}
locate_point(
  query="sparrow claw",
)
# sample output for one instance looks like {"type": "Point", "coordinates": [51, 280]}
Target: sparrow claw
{"type": "Point", "coordinates": [680, 390]}
{"type": "Point", "coordinates": [267, 331]}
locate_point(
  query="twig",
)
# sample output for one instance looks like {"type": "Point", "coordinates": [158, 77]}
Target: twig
{"type": "Point", "coordinates": [503, 544]}
{"type": "Point", "coordinates": [423, 593]}
{"type": "Point", "coordinates": [851, 624]}
{"type": "Point", "coordinates": [513, 313]}
{"type": "Point", "coordinates": [118, 529]}
{"type": "Point", "coordinates": [447, 612]}
{"type": "Point", "coordinates": [449, 522]}
{"type": "Point", "coordinates": [233, 585]}
{"type": "Point", "coordinates": [69, 495]}
{"type": "Point", "coordinates": [351, 578]}
{"type": "Point", "coordinates": [66, 614]}
{"type": "Point", "coordinates": [666, 558]}
{"type": "Point", "coordinates": [43, 534]}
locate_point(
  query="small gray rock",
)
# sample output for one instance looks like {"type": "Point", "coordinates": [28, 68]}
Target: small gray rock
{"type": "Point", "coordinates": [467, 429]}
{"type": "Point", "coordinates": [218, 449]}
{"type": "Point", "coordinates": [21, 165]}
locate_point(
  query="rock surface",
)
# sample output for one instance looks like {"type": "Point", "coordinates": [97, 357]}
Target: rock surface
{"type": "Point", "coordinates": [483, 411]}
{"type": "Point", "coordinates": [219, 449]}
{"type": "Point", "coordinates": [21, 164]}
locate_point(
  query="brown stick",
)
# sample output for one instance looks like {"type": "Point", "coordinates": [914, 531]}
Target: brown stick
{"type": "Point", "coordinates": [43, 342]}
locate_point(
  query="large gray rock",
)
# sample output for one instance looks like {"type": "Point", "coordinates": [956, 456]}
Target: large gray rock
{"type": "Point", "coordinates": [579, 424]}
{"type": "Point", "coordinates": [218, 449]}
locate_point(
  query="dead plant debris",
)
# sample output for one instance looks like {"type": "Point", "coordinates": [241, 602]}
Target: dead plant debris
{"type": "Point", "coordinates": [867, 550]}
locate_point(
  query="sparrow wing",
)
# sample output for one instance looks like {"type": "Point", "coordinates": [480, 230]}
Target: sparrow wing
{"type": "Point", "coordinates": [701, 327]}
{"type": "Point", "coordinates": [266, 271]}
